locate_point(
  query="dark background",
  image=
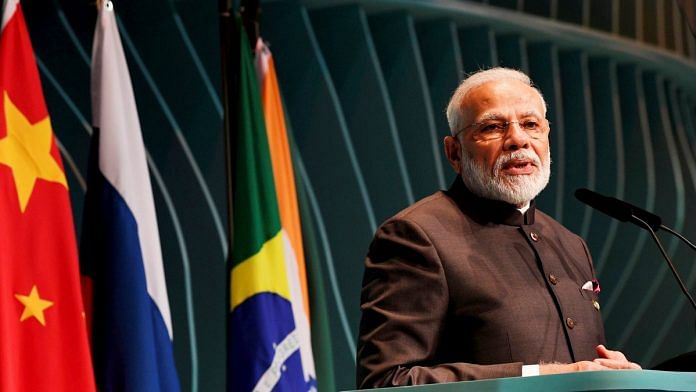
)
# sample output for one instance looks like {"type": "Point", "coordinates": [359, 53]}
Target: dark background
{"type": "Point", "coordinates": [365, 84]}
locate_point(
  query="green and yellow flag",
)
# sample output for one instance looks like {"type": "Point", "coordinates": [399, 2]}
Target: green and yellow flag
{"type": "Point", "coordinates": [269, 334]}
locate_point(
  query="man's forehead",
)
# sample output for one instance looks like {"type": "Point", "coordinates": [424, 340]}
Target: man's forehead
{"type": "Point", "coordinates": [502, 94]}
{"type": "Point", "coordinates": [497, 115]}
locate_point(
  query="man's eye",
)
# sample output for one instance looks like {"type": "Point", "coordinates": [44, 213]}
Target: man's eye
{"type": "Point", "coordinates": [530, 125]}
{"type": "Point", "coordinates": [492, 127]}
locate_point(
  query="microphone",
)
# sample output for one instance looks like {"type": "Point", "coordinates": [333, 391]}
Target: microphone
{"type": "Point", "coordinates": [627, 212]}
{"type": "Point", "coordinates": [618, 209]}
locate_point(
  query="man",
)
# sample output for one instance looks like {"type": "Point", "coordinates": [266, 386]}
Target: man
{"type": "Point", "coordinates": [475, 282]}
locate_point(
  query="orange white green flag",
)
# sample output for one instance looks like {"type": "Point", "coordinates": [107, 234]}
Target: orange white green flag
{"type": "Point", "coordinates": [269, 336]}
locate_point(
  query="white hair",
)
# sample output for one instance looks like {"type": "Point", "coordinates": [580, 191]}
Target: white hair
{"type": "Point", "coordinates": [495, 185]}
{"type": "Point", "coordinates": [455, 116]}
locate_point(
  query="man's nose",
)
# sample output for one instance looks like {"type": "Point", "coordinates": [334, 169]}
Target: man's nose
{"type": "Point", "coordinates": [515, 137]}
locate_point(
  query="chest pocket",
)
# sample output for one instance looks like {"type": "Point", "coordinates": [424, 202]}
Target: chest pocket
{"type": "Point", "coordinates": [581, 317]}
{"type": "Point", "coordinates": [565, 268]}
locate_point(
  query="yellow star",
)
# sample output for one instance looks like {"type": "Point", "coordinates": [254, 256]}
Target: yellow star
{"type": "Point", "coordinates": [27, 151]}
{"type": "Point", "coordinates": [34, 306]}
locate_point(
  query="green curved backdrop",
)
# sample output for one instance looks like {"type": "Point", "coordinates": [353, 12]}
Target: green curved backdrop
{"type": "Point", "coordinates": [365, 84]}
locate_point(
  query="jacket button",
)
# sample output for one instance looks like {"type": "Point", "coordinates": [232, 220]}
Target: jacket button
{"type": "Point", "coordinates": [553, 279]}
{"type": "Point", "coordinates": [570, 323]}
{"type": "Point", "coordinates": [534, 236]}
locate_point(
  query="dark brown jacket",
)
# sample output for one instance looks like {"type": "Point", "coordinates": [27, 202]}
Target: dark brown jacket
{"type": "Point", "coordinates": [458, 288]}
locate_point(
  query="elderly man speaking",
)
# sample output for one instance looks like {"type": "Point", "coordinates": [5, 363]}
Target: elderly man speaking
{"type": "Point", "coordinates": [475, 282]}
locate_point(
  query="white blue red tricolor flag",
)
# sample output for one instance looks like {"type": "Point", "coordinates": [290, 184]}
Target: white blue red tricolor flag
{"type": "Point", "coordinates": [120, 247]}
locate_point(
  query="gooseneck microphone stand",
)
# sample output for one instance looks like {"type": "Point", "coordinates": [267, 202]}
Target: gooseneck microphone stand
{"type": "Point", "coordinates": [645, 225]}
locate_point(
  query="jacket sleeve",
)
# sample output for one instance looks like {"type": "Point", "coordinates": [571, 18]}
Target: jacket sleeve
{"type": "Point", "coordinates": [404, 303]}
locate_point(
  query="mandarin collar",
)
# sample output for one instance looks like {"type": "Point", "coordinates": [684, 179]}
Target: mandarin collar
{"type": "Point", "coordinates": [486, 211]}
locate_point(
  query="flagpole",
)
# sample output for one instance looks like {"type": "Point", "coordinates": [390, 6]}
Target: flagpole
{"type": "Point", "coordinates": [250, 11]}
{"type": "Point", "coordinates": [229, 55]}
{"type": "Point", "coordinates": [229, 58]}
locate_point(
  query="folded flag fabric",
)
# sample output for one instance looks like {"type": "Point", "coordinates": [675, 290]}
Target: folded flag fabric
{"type": "Point", "coordinates": [269, 337]}
{"type": "Point", "coordinates": [120, 246]}
{"type": "Point", "coordinates": [43, 336]}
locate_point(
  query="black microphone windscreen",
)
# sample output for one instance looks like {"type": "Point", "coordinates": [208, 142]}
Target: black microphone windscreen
{"type": "Point", "coordinates": [618, 209]}
{"type": "Point", "coordinates": [608, 205]}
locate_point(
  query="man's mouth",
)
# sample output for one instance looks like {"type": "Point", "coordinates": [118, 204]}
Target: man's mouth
{"type": "Point", "coordinates": [517, 167]}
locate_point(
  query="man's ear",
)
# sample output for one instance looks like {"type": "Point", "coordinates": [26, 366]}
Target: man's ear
{"type": "Point", "coordinates": [453, 152]}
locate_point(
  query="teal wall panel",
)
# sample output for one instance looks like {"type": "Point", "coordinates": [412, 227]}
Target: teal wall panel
{"type": "Point", "coordinates": [512, 52]}
{"type": "Point", "coordinates": [609, 144]}
{"type": "Point", "coordinates": [640, 190]}
{"type": "Point", "coordinates": [676, 314]}
{"type": "Point", "coordinates": [442, 61]}
{"type": "Point", "coordinates": [395, 39]}
{"type": "Point", "coordinates": [365, 84]}
{"type": "Point", "coordinates": [478, 48]}
{"type": "Point", "coordinates": [579, 138]}
{"type": "Point", "coordinates": [346, 43]}
{"type": "Point", "coordinates": [686, 108]}
{"type": "Point", "coordinates": [544, 70]}
{"type": "Point", "coordinates": [647, 315]}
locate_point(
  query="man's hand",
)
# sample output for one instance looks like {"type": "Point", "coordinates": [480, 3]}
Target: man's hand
{"type": "Point", "coordinates": [613, 359]}
{"type": "Point", "coordinates": [607, 360]}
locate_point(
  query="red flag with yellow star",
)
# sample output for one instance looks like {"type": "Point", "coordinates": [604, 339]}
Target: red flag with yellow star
{"type": "Point", "coordinates": [43, 334]}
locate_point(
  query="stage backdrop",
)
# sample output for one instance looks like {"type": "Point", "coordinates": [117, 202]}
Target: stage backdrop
{"type": "Point", "coordinates": [365, 84]}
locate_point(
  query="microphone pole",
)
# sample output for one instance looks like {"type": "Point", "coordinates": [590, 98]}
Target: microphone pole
{"type": "Point", "coordinates": [669, 261]}
{"type": "Point", "coordinates": [681, 237]}
{"type": "Point", "coordinates": [626, 212]}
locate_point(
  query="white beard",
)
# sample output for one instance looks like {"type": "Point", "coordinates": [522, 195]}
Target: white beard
{"type": "Point", "coordinates": [518, 189]}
